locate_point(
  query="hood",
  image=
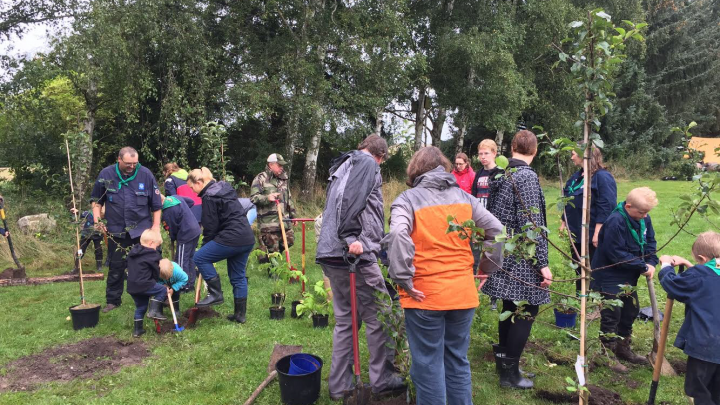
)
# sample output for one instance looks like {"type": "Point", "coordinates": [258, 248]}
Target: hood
{"type": "Point", "coordinates": [338, 161]}
{"type": "Point", "coordinates": [436, 178]}
{"type": "Point", "coordinates": [181, 174]}
{"type": "Point", "coordinates": [512, 162]}
{"type": "Point", "coordinates": [219, 189]}
{"type": "Point", "coordinates": [140, 250]}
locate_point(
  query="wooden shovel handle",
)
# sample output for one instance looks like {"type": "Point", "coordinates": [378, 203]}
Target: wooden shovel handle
{"type": "Point", "coordinates": [197, 288]}
{"type": "Point", "coordinates": [261, 387]}
{"type": "Point", "coordinates": [663, 335]}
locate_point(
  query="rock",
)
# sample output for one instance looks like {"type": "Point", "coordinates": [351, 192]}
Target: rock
{"type": "Point", "coordinates": [36, 223]}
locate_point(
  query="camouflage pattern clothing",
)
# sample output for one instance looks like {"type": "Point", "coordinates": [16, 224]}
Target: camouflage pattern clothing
{"type": "Point", "coordinates": [264, 184]}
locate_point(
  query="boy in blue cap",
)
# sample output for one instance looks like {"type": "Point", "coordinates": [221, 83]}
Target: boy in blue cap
{"type": "Point", "coordinates": [699, 336]}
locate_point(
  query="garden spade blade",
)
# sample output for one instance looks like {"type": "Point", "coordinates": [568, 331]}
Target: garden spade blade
{"type": "Point", "coordinates": [192, 317]}
{"type": "Point", "coordinates": [359, 395]}
{"type": "Point", "coordinates": [279, 351]}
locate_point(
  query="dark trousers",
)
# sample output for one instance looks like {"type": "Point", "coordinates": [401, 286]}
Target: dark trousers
{"type": "Point", "coordinates": [702, 381]}
{"type": "Point", "coordinates": [619, 320]}
{"type": "Point", "coordinates": [117, 253]}
{"type": "Point", "coordinates": [184, 254]}
{"type": "Point", "coordinates": [514, 335]}
{"type": "Point", "coordinates": [98, 248]}
{"type": "Point", "coordinates": [577, 257]}
{"type": "Point", "coordinates": [158, 292]}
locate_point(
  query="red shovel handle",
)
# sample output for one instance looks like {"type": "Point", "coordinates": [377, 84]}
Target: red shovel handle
{"type": "Point", "coordinates": [353, 308]}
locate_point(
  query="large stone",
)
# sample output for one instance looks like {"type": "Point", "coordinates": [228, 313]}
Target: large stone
{"type": "Point", "coordinates": [36, 223]}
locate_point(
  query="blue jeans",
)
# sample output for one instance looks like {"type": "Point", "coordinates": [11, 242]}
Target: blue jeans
{"type": "Point", "coordinates": [439, 343]}
{"type": "Point", "coordinates": [158, 291]}
{"type": "Point", "coordinates": [237, 257]}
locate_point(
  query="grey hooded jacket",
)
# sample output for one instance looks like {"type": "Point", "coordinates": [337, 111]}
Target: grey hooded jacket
{"type": "Point", "coordinates": [353, 209]}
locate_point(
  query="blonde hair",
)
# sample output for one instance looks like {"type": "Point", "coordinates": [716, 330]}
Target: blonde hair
{"type": "Point", "coordinates": [707, 245]}
{"type": "Point", "coordinates": [166, 269]}
{"type": "Point", "coordinates": [150, 236]}
{"type": "Point", "coordinates": [488, 144]}
{"type": "Point", "coordinates": [202, 175]}
{"type": "Point", "coordinates": [643, 198]}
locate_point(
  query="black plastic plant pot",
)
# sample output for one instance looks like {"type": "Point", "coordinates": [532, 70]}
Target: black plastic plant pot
{"type": "Point", "coordinates": [293, 310]}
{"type": "Point", "coordinates": [277, 313]}
{"type": "Point", "coordinates": [320, 321]}
{"type": "Point", "coordinates": [299, 389]}
{"type": "Point", "coordinates": [564, 320]}
{"type": "Point", "coordinates": [277, 298]}
{"type": "Point", "coordinates": [85, 316]}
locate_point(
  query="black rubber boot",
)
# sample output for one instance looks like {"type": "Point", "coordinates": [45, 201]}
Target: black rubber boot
{"type": "Point", "coordinates": [155, 311]}
{"type": "Point", "coordinates": [510, 374]}
{"type": "Point", "coordinates": [240, 309]}
{"type": "Point", "coordinates": [176, 301]}
{"type": "Point", "coordinates": [98, 265]}
{"type": "Point", "coordinates": [138, 328]}
{"type": "Point", "coordinates": [215, 294]}
{"type": "Point", "coordinates": [499, 352]}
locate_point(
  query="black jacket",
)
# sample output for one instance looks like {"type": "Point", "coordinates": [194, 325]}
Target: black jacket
{"type": "Point", "coordinates": [143, 269]}
{"type": "Point", "coordinates": [223, 218]}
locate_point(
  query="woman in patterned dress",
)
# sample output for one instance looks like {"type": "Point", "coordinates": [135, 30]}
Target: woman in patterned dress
{"type": "Point", "coordinates": [516, 199]}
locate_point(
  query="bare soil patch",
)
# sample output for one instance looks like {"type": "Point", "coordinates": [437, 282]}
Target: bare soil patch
{"type": "Point", "coordinates": [598, 396]}
{"type": "Point", "coordinates": [90, 358]}
{"type": "Point", "coordinates": [169, 327]}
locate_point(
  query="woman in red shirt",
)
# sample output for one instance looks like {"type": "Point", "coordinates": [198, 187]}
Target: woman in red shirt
{"type": "Point", "coordinates": [464, 174]}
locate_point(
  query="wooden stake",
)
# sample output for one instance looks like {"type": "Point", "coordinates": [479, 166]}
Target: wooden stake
{"type": "Point", "coordinates": [77, 232]}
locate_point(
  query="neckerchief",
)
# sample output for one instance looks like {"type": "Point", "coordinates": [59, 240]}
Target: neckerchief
{"type": "Point", "coordinates": [572, 188]}
{"type": "Point", "coordinates": [170, 201]}
{"type": "Point", "coordinates": [129, 179]}
{"type": "Point", "coordinates": [712, 264]}
{"type": "Point", "coordinates": [640, 240]}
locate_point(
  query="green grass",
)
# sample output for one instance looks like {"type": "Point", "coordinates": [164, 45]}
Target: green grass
{"type": "Point", "coordinates": [222, 363]}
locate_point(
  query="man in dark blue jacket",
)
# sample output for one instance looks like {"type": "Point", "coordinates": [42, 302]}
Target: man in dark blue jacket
{"type": "Point", "coordinates": [131, 198]}
{"type": "Point", "coordinates": [626, 251]}
{"type": "Point", "coordinates": [699, 336]}
{"type": "Point", "coordinates": [183, 227]}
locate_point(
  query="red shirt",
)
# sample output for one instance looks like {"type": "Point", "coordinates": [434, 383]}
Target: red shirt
{"type": "Point", "coordinates": [465, 178]}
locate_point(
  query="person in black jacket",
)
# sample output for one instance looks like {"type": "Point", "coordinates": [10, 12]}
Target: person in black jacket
{"type": "Point", "coordinates": [142, 280]}
{"type": "Point", "coordinates": [183, 227]}
{"type": "Point", "coordinates": [626, 251]}
{"type": "Point", "coordinates": [226, 235]}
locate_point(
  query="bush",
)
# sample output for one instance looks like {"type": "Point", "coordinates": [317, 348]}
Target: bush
{"type": "Point", "coordinates": [682, 169]}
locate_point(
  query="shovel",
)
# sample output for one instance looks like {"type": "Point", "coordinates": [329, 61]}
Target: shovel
{"type": "Point", "coordinates": [178, 328]}
{"type": "Point", "coordinates": [359, 395]}
{"type": "Point", "coordinates": [279, 351]}
{"type": "Point", "coordinates": [666, 369]}
{"type": "Point", "coordinates": [192, 317]}
{"type": "Point", "coordinates": [284, 235]}
{"type": "Point", "coordinates": [661, 347]}
{"type": "Point", "coordinates": [9, 237]}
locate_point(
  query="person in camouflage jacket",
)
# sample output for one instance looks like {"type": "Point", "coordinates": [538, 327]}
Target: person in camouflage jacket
{"type": "Point", "coordinates": [267, 187]}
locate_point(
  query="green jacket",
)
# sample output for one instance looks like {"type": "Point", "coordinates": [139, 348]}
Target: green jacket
{"type": "Point", "coordinates": [267, 183]}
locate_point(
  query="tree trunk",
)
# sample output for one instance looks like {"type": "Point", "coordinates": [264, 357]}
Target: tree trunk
{"type": "Point", "coordinates": [84, 152]}
{"type": "Point", "coordinates": [460, 136]}
{"type": "Point", "coordinates": [438, 125]}
{"type": "Point", "coordinates": [379, 120]}
{"type": "Point", "coordinates": [291, 141]}
{"type": "Point", "coordinates": [310, 172]}
{"type": "Point", "coordinates": [499, 135]}
{"type": "Point", "coordinates": [420, 120]}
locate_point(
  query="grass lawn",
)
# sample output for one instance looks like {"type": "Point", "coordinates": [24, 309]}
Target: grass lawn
{"type": "Point", "coordinates": [221, 362]}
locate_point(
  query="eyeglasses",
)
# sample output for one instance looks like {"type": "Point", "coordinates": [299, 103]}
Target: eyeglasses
{"type": "Point", "coordinates": [133, 164]}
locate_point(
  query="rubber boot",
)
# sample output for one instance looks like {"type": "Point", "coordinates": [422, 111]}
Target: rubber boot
{"type": "Point", "coordinates": [510, 374]}
{"type": "Point", "coordinates": [240, 309]}
{"type": "Point", "coordinates": [138, 328]}
{"type": "Point", "coordinates": [499, 352]}
{"type": "Point", "coordinates": [623, 351]}
{"type": "Point", "coordinates": [98, 265]}
{"type": "Point", "coordinates": [215, 294]}
{"type": "Point", "coordinates": [609, 348]}
{"type": "Point", "coordinates": [175, 297]}
{"type": "Point", "coordinates": [155, 311]}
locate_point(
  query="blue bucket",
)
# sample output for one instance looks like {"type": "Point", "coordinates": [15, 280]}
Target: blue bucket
{"type": "Point", "coordinates": [302, 363]}
{"type": "Point", "coordinates": [565, 320]}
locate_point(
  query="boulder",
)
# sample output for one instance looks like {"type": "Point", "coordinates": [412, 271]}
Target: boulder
{"type": "Point", "coordinates": [36, 223]}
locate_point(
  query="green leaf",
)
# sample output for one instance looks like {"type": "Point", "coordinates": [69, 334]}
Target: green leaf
{"type": "Point", "coordinates": [504, 316]}
{"type": "Point", "coordinates": [502, 162]}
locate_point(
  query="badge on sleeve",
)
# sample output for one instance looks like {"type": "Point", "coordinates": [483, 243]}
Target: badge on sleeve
{"type": "Point", "coordinates": [141, 186]}
{"type": "Point", "coordinates": [157, 191]}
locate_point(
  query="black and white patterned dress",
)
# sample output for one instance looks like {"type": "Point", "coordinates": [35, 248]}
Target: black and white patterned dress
{"type": "Point", "coordinates": [511, 203]}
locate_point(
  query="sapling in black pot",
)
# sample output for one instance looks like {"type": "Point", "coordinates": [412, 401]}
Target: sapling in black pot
{"type": "Point", "coordinates": [315, 302]}
{"type": "Point", "coordinates": [282, 273]}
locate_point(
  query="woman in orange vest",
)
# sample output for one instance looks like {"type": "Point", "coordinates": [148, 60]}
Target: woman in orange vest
{"type": "Point", "coordinates": [434, 270]}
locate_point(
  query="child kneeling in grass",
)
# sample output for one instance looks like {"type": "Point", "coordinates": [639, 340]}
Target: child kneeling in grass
{"type": "Point", "coordinates": [173, 276]}
{"type": "Point", "coordinates": [143, 276]}
{"type": "Point", "coordinates": [626, 251]}
{"type": "Point", "coordinates": [699, 336]}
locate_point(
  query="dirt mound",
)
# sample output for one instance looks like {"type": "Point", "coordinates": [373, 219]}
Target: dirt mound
{"type": "Point", "coordinates": [87, 359]}
{"type": "Point", "coordinates": [679, 365]}
{"type": "Point", "coordinates": [13, 273]}
{"type": "Point", "coordinates": [598, 396]}
{"type": "Point", "coordinates": [168, 326]}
